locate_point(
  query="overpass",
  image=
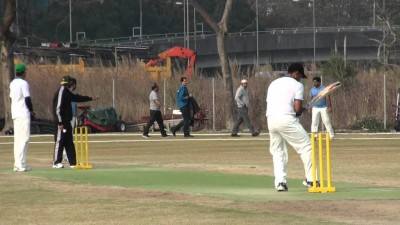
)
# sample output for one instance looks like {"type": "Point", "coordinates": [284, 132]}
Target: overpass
{"type": "Point", "coordinates": [276, 46]}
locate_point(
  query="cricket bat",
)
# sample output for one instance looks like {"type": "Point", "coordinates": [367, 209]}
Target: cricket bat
{"type": "Point", "coordinates": [327, 90]}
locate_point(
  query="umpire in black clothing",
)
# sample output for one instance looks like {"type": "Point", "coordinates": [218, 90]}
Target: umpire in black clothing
{"type": "Point", "coordinates": [62, 112]}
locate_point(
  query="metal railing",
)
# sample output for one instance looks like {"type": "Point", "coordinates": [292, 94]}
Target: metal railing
{"type": "Point", "coordinates": [173, 37]}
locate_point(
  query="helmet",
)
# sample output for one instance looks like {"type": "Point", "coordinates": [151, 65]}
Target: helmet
{"type": "Point", "coordinates": [65, 80]}
{"type": "Point", "coordinates": [19, 68]}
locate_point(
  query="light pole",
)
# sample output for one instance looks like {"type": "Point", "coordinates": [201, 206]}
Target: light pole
{"type": "Point", "coordinates": [314, 33]}
{"type": "Point", "coordinates": [141, 17]}
{"type": "Point", "coordinates": [373, 12]}
{"type": "Point", "coordinates": [313, 13]}
{"type": "Point", "coordinates": [257, 52]}
{"type": "Point", "coordinates": [186, 22]}
{"type": "Point", "coordinates": [70, 22]}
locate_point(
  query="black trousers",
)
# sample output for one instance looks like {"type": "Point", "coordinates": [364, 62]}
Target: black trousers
{"type": "Point", "coordinates": [185, 122]}
{"type": "Point", "coordinates": [64, 139]}
{"type": "Point", "coordinates": [155, 115]}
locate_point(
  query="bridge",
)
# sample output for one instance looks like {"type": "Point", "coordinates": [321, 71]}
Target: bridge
{"type": "Point", "coordinates": [276, 46]}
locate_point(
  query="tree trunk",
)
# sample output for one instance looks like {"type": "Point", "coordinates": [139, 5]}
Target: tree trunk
{"type": "Point", "coordinates": [221, 30]}
{"type": "Point", "coordinates": [7, 58]}
{"type": "Point", "coordinates": [7, 65]}
{"type": "Point", "coordinates": [228, 83]}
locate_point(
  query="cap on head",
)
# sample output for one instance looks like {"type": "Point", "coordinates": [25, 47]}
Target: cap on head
{"type": "Point", "coordinates": [244, 81]}
{"type": "Point", "coordinates": [19, 68]}
{"type": "Point", "coordinates": [65, 80]}
{"type": "Point", "coordinates": [297, 67]}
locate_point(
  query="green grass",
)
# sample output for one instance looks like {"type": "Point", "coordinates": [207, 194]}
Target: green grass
{"type": "Point", "coordinates": [221, 185]}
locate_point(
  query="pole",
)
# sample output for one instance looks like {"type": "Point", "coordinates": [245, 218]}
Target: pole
{"type": "Point", "coordinates": [313, 9]}
{"type": "Point", "coordinates": [194, 28]}
{"type": "Point", "coordinates": [213, 103]}
{"type": "Point", "coordinates": [184, 23]}
{"type": "Point", "coordinates": [70, 22]}
{"type": "Point", "coordinates": [113, 80]}
{"type": "Point", "coordinates": [187, 24]}
{"type": "Point", "coordinates": [384, 66]}
{"type": "Point", "coordinates": [16, 16]}
{"type": "Point", "coordinates": [373, 21]}
{"type": "Point", "coordinates": [141, 20]}
{"type": "Point", "coordinates": [164, 93]}
{"type": "Point", "coordinates": [257, 55]}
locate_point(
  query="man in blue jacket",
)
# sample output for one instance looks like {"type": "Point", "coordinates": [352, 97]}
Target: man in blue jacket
{"type": "Point", "coordinates": [182, 98]}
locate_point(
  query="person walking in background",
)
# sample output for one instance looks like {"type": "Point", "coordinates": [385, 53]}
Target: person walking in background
{"type": "Point", "coordinates": [74, 112]}
{"type": "Point", "coordinates": [155, 113]}
{"type": "Point", "coordinates": [321, 109]}
{"type": "Point", "coordinates": [182, 98]}
{"type": "Point", "coordinates": [21, 113]}
{"type": "Point", "coordinates": [242, 101]}
{"type": "Point", "coordinates": [284, 105]}
{"type": "Point", "coordinates": [62, 112]}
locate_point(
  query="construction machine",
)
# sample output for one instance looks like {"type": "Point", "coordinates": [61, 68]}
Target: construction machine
{"type": "Point", "coordinates": [158, 71]}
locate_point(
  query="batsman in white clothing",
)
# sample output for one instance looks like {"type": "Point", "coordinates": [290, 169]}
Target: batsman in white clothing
{"type": "Point", "coordinates": [284, 106]}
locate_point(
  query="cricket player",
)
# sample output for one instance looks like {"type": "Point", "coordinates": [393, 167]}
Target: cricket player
{"type": "Point", "coordinates": [284, 105]}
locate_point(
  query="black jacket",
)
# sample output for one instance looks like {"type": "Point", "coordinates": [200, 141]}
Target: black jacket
{"type": "Point", "coordinates": [62, 109]}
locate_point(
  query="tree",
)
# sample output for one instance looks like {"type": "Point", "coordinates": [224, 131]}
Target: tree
{"type": "Point", "coordinates": [221, 31]}
{"type": "Point", "coordinates": [8, 40]}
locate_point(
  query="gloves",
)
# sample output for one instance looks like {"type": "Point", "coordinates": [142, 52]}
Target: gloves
{"type": "Point", "coordinates": [299, 113]}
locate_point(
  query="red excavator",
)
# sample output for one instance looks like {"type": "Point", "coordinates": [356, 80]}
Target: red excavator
{"type": "Point", "coordinates": [157, 71]}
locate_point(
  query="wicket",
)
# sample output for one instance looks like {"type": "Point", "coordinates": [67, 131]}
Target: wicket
{"type": "Point", "coordinates": [82, 148]}
{"type": "Point", "coordinates": [321, 188]}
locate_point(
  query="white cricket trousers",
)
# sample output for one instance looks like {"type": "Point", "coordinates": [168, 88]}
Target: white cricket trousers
{"type": "Point", "coordinates": [22, 132]}
{"type": "Point", "coordinates": [323, 114]}
{"type": "Point", "coordinates": [287, 128]}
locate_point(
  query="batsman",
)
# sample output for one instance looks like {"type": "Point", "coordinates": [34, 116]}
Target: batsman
{"type": "Point", "coordinates": [321, 109]}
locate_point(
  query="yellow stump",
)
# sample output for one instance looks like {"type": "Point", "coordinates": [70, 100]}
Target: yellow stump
{"type": "Point", "coordinates": [322, 188]}
{"type": "Point", "coordinates": [82, 148]}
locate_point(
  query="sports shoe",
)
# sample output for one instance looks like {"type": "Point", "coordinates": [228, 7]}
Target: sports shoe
{"type": "Point", "coordinates": [145, 136]}
{"type": "Point", "coordinates": [165, 135]}
{"type": "Point", "coordinates": [22, 169]}
{"type": "Point", "coordinates": [72, 166]}
{"type": "Point", "coordinates": [309, 184]}
{"type": "Point", "coordinates": [235, 135]}
{"type": "Point", "coordinates": [173, 132]}
{"type": "Point", "coordinates": [58, 166]}
{"type": "Point", "coordinates": [255, 134]}
{"type": "Point", "coordinates": [282, 187]}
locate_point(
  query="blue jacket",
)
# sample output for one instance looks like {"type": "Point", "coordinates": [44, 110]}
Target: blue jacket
{"type": "Point", "coordinates": [182, 96]}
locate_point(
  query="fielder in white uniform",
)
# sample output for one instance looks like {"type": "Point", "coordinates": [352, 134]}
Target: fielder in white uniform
{"type": "Point", "coordinates": [21, 112]}
{"type": "Point", "coordinates": [321, 109]}
{"type": "Point", "coordinates": [284, 105]}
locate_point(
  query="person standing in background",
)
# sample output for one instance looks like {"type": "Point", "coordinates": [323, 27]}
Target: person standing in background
{"type": "Point", "coordinates": [21, 113]}
{"type": "Point", "coordinates": [321, 109]}
{"type": "Point", "coordinates": [242, 101]}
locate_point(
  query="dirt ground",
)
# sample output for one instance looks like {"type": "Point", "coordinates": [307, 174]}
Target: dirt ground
{"type": "Point", "coordinates": [357, 161]}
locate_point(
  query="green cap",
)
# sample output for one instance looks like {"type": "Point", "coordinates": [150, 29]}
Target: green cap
{"type": "Point", "coordinates": [20, 68]}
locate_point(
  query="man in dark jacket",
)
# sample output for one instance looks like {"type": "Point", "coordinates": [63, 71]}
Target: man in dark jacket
{"type": "Point", "coordinates": [62, 112]}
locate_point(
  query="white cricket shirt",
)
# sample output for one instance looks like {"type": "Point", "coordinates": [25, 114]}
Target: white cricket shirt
{"type": "Point", "coordinates": [281, 95]}
{"type": "Point", "coordinates": [19, 89]}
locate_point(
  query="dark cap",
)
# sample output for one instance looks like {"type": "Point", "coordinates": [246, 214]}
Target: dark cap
{"type": "Point", "coordinates": [65, 80]}
{"type": "Point", "coordinates": [297, 67]}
